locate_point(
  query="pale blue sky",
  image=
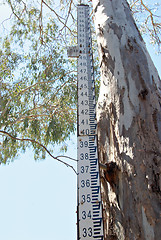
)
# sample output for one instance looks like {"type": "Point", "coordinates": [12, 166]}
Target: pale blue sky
{"type": "Point", "coordinates": [38, 199]}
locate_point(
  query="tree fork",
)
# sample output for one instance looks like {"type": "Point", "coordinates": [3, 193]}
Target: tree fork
{"type": "Point", "coordinates": [129, 125]}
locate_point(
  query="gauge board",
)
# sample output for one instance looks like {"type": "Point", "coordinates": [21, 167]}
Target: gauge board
{"type": "Point", "coordinates": [90, 221]}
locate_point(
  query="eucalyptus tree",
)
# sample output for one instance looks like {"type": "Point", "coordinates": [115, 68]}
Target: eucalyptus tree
{"type": "Point", "coordinates": [129, 125]}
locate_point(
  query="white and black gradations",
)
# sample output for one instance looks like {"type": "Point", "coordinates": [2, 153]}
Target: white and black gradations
{"type": "Point", "coordinates": [90, 221]}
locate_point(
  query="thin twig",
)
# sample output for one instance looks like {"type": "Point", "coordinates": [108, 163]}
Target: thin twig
{"type": "Point", "coordinates": [59, 17]}
{"type": "Point", "coordinates": [41, 23]}
{"type": "Point", "coordinates": [2, 23]}
{"type": "Point", "coordinates": [132, 5]}
{"type": "Point", "coordinates": [70, 6]}
{"type": "Point", "coordinates": [12, 8]}
{"type": "Point", "coordinates": [73, 159]}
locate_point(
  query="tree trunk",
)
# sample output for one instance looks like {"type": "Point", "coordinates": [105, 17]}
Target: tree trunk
{"type": "Point", "coordinates": [129, 126]}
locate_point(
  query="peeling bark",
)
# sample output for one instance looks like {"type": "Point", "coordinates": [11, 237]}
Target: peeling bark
{"type": "Point", "coordinates": [129, 125]}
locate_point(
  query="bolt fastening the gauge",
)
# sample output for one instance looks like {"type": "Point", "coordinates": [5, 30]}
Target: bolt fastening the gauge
{"type": "Point", "coordinates": [103, 166]}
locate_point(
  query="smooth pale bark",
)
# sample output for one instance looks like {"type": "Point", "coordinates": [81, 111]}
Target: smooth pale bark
{"type": "Point", "coordinates": [129, 126]}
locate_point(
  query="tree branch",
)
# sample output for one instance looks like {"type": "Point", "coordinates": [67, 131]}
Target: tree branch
{"type": "Point", "coordinates": [59, 17]}
{"type": "Point", "coordinates": [155, 25]}
{"type": "Point", "coordinates": [12, 8]}
{"type": "Point", "coordinates": [70, 6]}
{"type": "Point", "coordinates": [41, 145]}
{"type": "Point", "coordinates": [28, 88]}
{"type": "Point", "coordinates": [44, 82]}
{"type": "Point", "coordinates": [133, 4]}
{"type": "Point", "coordinates": [41, 23]}
{"type": "Point", "coordinates": [147, 9]}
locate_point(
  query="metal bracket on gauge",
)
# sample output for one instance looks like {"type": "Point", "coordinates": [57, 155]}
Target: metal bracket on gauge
{"type": "Point", "coordinates": [73, 51]}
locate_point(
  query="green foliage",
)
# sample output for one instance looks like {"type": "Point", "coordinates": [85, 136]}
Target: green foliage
{"type": "Point", "coordinates": [38, 91]}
